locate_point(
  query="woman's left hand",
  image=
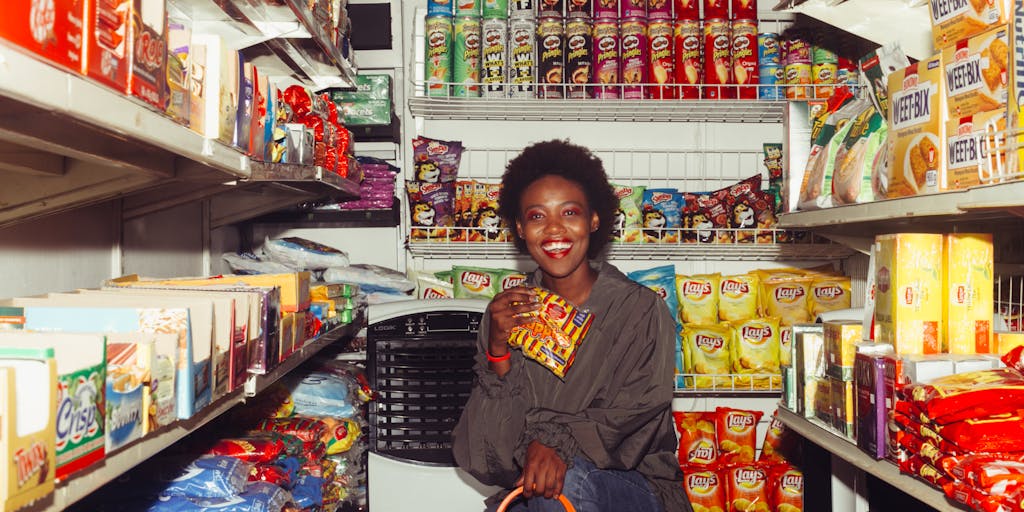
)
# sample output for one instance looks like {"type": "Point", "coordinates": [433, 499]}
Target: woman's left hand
{"type": "Point", "coordinates": [543, 473]}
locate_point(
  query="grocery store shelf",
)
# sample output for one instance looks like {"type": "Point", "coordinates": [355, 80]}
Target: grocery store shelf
{"type": "Point", "coordinates": [91, 479]}
{"type": "Point", "coordinates": [731, 385]}
{"type": "Point", "coordinates": [306, 217]}
{"type": "Point", "coordinates": [531, 109]}
{"type": "Point", "coordinates": [313, 179]}
{"type": "Point", "coordinates": [648, 251]}
{"type": "Point", "coordinates": [880, 21]}
{"type": "Point", "coordinates": [841, 447]}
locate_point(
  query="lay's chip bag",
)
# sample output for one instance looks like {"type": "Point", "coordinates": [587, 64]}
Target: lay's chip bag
{"type": "Point", "coordinates": [429, 286]}
{"type": "Point", "coordinates": [626, 226]}
{"type": "Point", "coordinates": [787, 298]}
{"type": "Point", "coordinates": [829, 294]}
{"type": "Point", "coordinates": [755, 350]}
{"type": "Point", "coordinates": [475, 282]}
{"type": "Point", "coordinates": [556, 333]}
{"type": "Point", "coordinates": [698, 444]}
{"type": "Point", "coordinates": [510, 279]}
{"type": "Point", "coordinates": [698, 298]}
{"type": "Point", "coordinates": [705, 489]}
{"type": "Point", "coordinates": [737, 297]}
{"type": "Point", "coordinates": [737, 434]}
{"type": "Point", "coordinates": [707, 353]}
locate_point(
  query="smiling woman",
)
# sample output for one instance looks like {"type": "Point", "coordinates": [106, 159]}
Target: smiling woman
{"type": "Point", "coordinates": [602, 434]}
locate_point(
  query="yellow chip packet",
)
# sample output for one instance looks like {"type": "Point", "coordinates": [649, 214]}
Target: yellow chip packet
{"type": "Point", "coordinates": [698, 298]}
{"type": "Point", "coordinates": [555, 334]}
{"type": "Point", "coordinates": [829, 294]}
{"type": "Point", "coordinates": [737, 297]}
{"type": "Point", "coordinates": [787, 299]}
{"type": "Point", "coordinates": [755, 350]}
{"type": "Point", "coordinates": [708, 346]}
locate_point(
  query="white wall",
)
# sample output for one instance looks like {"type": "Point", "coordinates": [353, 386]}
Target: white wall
{"type": "Point", "coordinates": [166, 244]}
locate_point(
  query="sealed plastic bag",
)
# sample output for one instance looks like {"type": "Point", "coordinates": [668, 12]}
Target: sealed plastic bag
{"type": "Point", "coordinates": [251, 264]}
{"type": "Point", "coordinates": [302, 254]}
{"type": "Point", "coordinates": [212, 476]}
{"type": "Point", "coordinates": [371, 278]}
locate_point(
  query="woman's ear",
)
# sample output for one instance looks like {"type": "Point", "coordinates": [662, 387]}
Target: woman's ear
{"type": "Point", "coordinates": [519, 229]}
{"type": "Point", "coordinates": [595, 222]}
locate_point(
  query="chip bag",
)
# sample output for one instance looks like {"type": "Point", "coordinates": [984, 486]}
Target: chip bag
{"type": "Point", "coordinates": [747, 488]}
{"type": "Point", "coordinates": [706, 352]}
{"type": "Point", "coordinates": [787, 299]}
{"type": "Point", "coordinates": [626, 226]}
{"type": "Point", "coordinates": [661, 215]}
{"type": "Point", "coordinates": [829, 294]}
{"type": "Point", "coordinates": [436, 160]}
{"type": "Point", "coordinates": [787, 490]}
{"type": "Point", "coordinates": [737, 434]}
{"type": "Point", "coordinates": [555, 334]}
{"type": "Point", "coordinates": [431, 210]}
{"type": "Point", "coordinates": [737, 297]}
{"type": "Point", "coordinates": [486, 224]}
{"type": "Point", "coordinates": [697, 442]}
{"type": "Point", "coordinates": [705, 489]}
{"type": "Point", "coordinates": [778, 442]}
{"type": "Point", "coordinates": [475, 282]}
{"type": "Point", "coordinates": [968, 395]}
{"type": "Point", "coordinates": [662, 281]}
{"type": "Point", "coordinates": [755, 350]}
{"type": "Point", "coordinates": [698, 298]}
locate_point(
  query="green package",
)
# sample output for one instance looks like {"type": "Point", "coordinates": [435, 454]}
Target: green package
{"type": "Point", "coordinates": [476, 282]}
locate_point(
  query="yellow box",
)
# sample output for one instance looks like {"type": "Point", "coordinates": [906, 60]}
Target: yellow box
{"type": "Point", "coordinates": [917, 124]}
{"type": "Point", "coordinates": [841, 339]}
{"type": "Point", "coordinates": [287, 333]}
{"type": "Point", "coordinates": [294, 286]}
{"type": "Point", "coordinates": [1007, 341]}
{"type": "Point", "coordinates": [908, 292]}
{"type": "Point", "coordinates": [28, 387]}
{"type": "Point", "coordinates": [955, 20]}
{"type": "Point", "coordinates": [965, 149]}
{"type": "Point", "coordinates": [1015, 94]}
{"type": "Point", "coordinates": [821, 398]}
{"type": "Point", "coordinates": [841, 401]}
{"type": "Point", "coordinates": [976, 73]}
{"type": "Point", "coordinates": [968, 281]}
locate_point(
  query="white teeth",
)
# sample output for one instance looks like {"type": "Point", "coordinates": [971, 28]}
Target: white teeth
{"type": "Point", "coordinates": [556, 246]}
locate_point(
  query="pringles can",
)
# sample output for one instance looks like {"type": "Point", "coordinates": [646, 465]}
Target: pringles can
{"type": "Point", "coordinates": [635, 48]}
{"type": "Point", "coordinates": [579, 56]}
{"type": "Point", "coordinates": [496, 9]}
{"type": "Point", "coordinates": [632, 9]}
{"type": "Point", "coordinates": [663, 74]}
{"type": "Point", "coordinates": [846, 73]}
{"type": "Point", "coordinates": [607, 59]}
{"type": "Point", "coordinates": [798, 69]}
{"type": "Point", "coordinates": [743, 9]}
{"type": "Point", "coordinates": [769, 77]}
{"type": "Point", "coordinates": [744, 58]}
{"type": "Point", "coordinates": [550, 8]}
{"type": "Point", "coordinates": [717, 59]}
{"type": "Point", "coordinates": [715, 10]}
{"type": "Point", "coordinates": [551, 57]}
{"type": "Point", "coordinates": [439, 7]}
{"type": "Point", "coordinates": [686, 9]}
{"type": "Point", "coordinates": [688, 44]}
{"type": "Point", "coordinates": [438, 58]}
{"type": "Point", "coordinates": [606, 9]}
{"type": "Point", "coordinates": [494, 47]}
{"type": "Point", "coordinates": [659, 9]}
{"type": "Point", "coordinates": [578, 8]}
{"type": "Point", "coordinates": [466, 58]}
{"type": "Point", "coordinates": [824, 66]}
{"type": "Point", "coordinates": [768, 51]}
{"type": "Point", "coordinates": [520, 9]}
{"type": "Point", "coordinates": [522, 65]}
{"type": "Point", "coordinates": [468, 7]}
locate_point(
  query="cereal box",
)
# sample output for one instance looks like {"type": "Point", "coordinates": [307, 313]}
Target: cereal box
{"type": "Point", "coordinates": [976, 73]}
{"type": "Point", "coordinates": [908, 292]}
{"type": "Point", "coordinates": [966, 148]}
{"type": "Point", "coordinates": [968, 282]}
{"type": "Point", "coordinates": [955, 20]}
{"type": "Point", "coordinates": [870, 426]}
{"type": "Point", "coordinates": [28, 397]}
{"type": "Point", "coordinates": [841, 337]}
{"type": "Point", "coordinates": [917, 123]}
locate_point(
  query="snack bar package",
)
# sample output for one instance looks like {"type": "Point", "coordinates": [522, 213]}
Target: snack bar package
{"type": "Point", "coordinates": [627, 216]}
{"type": "Point", "coordinates": [706, 352]}
{"type": "Point", "coordinates": [698, 298]}
{"type": "Point", "coordinates": [436, 160]}
{"type": "Point", "coordinates": [738, 297]}
{"type": "Point", "coordinates": [556, 333]}
{"type": "Point", "coordinates": [737, 434]}
{"type": "Point", "coordinates": [698, 444]}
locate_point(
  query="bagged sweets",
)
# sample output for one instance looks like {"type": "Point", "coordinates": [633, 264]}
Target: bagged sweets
{"type": "Point", "coordinates": [435, 160]}
{"type": "Point", "coordinates": [555, 335]}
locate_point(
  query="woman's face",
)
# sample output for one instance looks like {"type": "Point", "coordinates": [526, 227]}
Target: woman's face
{"type": "Point", "coordinates": [556, 222]}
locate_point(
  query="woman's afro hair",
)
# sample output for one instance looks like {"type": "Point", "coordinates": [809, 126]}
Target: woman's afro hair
{"type": "Point", "coordinates": [571, 162]}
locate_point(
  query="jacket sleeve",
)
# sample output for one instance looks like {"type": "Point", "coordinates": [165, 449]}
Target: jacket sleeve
{"type": "Point", "coordinates": [623, 422]}
{"type": "Point", "coordinates": [484, 439]}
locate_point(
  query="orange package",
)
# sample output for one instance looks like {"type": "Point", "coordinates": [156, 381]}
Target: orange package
{"type": "Point", "coordinates": [787, 488]}
{"type": "Point", "coordinates": [556, 333]}
{"type": "Point", "coordinates": [991, 473]}
{"type": "Point", "coordinates": [978, 394]}
{"type": "Point", "coordinates": [737, 434]}
{"type": "Point", "coordinates": [704, 488]}
{"type": "Point", "coordinates": [779, 443]}
{"type": "Point", "coordinates": [697, 442]}
{"type": "Point", "coordinates": [747, 488]}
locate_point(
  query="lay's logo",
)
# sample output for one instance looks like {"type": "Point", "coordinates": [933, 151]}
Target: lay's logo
{"type": "Point", "coordinates": [512, 281]}
{"type": "Point", "coordinates": [786, 337]}
{"type": "Point", "coordinates": [756, 335]}
{"type": "Point", "coordinates": [828, 292]}
{"type": "Point", "coordinates": [709, 343]}
{"type": "Point", "coordinates": [789, 293]}
{"type": "Point", "coordinates": [733, 287]}
{"type": "Point", "coordinates": [431, 293]}
{"type": "Point", "coordinates": [792, 482]}
{"type": "Point", "coordinates": [749, 477]}
{"type": "Point", "coordinates": [475, 281]}
{"type": "Point", "coordinates": [738, 421]}
{"type": "Point", "coordinates": [696, 288]}
{"type": "Point", "coordinates": [701, 453]}
{"type": "Point", "coordinates": [702, 481]}
{"type": "Point", "coordinates": [661, 291]}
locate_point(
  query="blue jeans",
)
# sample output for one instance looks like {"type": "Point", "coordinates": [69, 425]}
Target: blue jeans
{"type": "Point", "coordinates": [590, 489]}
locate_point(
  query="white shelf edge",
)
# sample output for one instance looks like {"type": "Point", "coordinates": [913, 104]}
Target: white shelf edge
{"type": "Point", "coordinates": [89, 480]}
{"type": "Point", "coordinates": [697, 252]}
{"type": "Point", "coordinates": [884, 470]}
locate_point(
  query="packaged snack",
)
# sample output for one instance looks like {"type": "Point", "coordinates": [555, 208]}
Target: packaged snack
{"type": "Point", "coordinates": [435, 160]}
{"type": "Point", "coordinates": [271, 473]}
{"type": "Point", "coordinates": [431, 207]}
{"type": "Point", "coordinates": [908, 292]}
{"type": "Point", "coordinates": [764, 206]}
{"type": "Point", "coordinates": [968, 281]}
{"type": "Point", "coordinates": [302, 254]}
{"type": "Point", "coordinates": [697, 443]}
{"type": "Point", "coordinates": [661, 215]}
{"type": "Point", "coordinates": [308, 430]}
{"type": "Point", "coordinates": [627, 216]}
{"type": "Point", "coordinates": [706, 350]}
{"type": "Point", "coordinates": [737, 434]}
{"type": "Point", "coordinates": [698, 298]}
{"type": "Point", "coordinates": [710, 221]}
{"type": "Point", "coordinates": [786, 299]}
{"type": "Point", "coordinates": [851, 178]}
{"type": "Point", "coordinates": [705, 489]}
{"type": "Point", "coordinates": [779, 443]}
{"type": "Point", "coordinates": [255, 448]}
{"type": "Point", "coordinates": [747, 488]}
{"type": "Point", "coordinates": [487, 225]}
{"type": "Point", "coordinates": [475, 282]}
{"type": "Point", "coordinates": [977, 394]}
{"type": "Point", "coordinates": [429, 286]}
{"type": "Point", "coordinates": [917, 121]}
{"type": "Point", "coordinates": [755, 349]}
{"type": "Point", "coordinates": [554, 336]}
{"type": "Point", "coordinates": [787, 490]}
{"type": "Point", "coordinates": [737, 298]}
{"type": "Point", "coordinates": [209, 476]}
{"type": "Point", "coordinates": [342, 433]}
{"type": "Point", "coordinates": [463, 211]}
{"type": "Point", "coordinates": [829, 294]}
{"type": "Point", "coordinates": [662, 281]}
{"type": "Point", "coordinates": [511, 279]}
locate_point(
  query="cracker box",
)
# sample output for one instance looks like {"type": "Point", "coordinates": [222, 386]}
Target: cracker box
{"type": "Point", "coordinates": [841, 338]}
{"type": "Point", "coordinates": [976, 73]}
{"type": "Point", "coordinates": [968, 282]}
{"type": "Point", "coordinates": [81, 373]}
{"type": "Point", "coordinates": [108, 43]}
{"type": "Point", "coordinates": [870, 425]}
{"type": "Point", "coordinates": [956, 20]}
{"type": "Point", "coordinates": [917, 124]}
{"type": "Point", "coordinates": [28, 390]}
{"type": "Point", "coordinates": [58, 38]}
{"type": "Point", "coordinates": [294, 286]}
{"type": "Point", "coordinates": [148, 55]}
{"type": "Point", "coordinates": [967, 141]}
{"type": "Point", "coordinates": [842, 403]}
{"type": "Point", "coordinates": [129, 362]}
{"type": "Point", "coordinates": [908, 292]}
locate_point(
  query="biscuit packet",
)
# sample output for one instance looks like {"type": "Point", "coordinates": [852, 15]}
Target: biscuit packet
{"type": "Point", "coordinates": [706, 355]}
{"type": "Point", "coordinates": [737, 297]}
{"type": "Point", "coordinates": [698, 445]}
{"type": "Point", "coordinates": [698, 298]}
{"type": "Point", "coordinates": [627, 216]}
{"type": "Point", "coordinates": [755, 350]}
{"type": "Point", "coordinates": [737, 434]}
{"type": "Point", "coordinates": [556, 333]}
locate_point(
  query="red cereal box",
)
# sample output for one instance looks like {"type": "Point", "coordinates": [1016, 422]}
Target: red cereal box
{"type": "Point", "coordinates": [744, 57]}
{"type": "Point", "coordinates": [737, 434]}
{"type": "Point", "coordinates": [660, 36]}
{"type": "Point", "coordinates": [52, 30]}
{"type": "Point", "coordinates": [148, 79]}
{"type": "Point", "coordinates": [704, 488]}
{"type": "Point", "coordinates": [717, 60]}
{"type": "Point", "coordinates": [697, 444]}
{"type": "Point", "coordinates": [107, 42]}
{"type": "Point", "coordinates": [686, 58]}
{"type": "Point", "coordinates": [747, 488]}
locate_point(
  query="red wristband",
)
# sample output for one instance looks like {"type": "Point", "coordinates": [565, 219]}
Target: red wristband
{"type": "Point", "coordinates": [499, 358]}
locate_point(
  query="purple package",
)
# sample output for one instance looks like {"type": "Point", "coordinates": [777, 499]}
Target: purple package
{"type": "Point", "coordinates": [431, 209]}
{"type": "Point", "coordinates": [436, 160]}
{"type": "Point", "coordinates": [870, 425]}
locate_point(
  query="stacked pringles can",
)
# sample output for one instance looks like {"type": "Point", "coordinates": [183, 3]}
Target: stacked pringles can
{"type": "Point", "coordinates": [467, 49]}
{"type": "Point", "coordinates": [771, 69]}
{"type": "Point", "coordinates": [812, 71]}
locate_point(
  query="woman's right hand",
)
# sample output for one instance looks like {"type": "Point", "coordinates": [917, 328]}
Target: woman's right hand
{"type": "Point", "coordinates": [507, 310]}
